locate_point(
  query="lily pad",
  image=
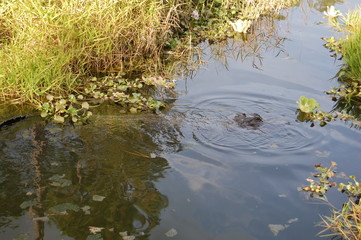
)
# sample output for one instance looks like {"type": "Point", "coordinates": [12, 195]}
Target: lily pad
{"type": "Point", "coordinates": [307, 105]}
{"type": "Point", "coordinates": [58, 119]}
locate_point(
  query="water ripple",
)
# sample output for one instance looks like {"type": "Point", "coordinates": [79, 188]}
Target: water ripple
{"type": "Point", "coordinates": [209, 121]}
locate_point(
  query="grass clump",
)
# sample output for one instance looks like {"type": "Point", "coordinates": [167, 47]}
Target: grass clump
{"type": "Point", "coordinates": [346, 222]}
{"type": "Point", "coordinates": [51, 44]}
{"type": "Point", "coordinates": [348, 48]}
{"type": "Point", "coordinates": [53, 47]}
{"type": "Point", "coordinates": [352, 53]}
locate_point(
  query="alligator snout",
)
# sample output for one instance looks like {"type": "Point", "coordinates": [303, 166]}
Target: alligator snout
{"type": "Point", "coordinates": [253, 121]}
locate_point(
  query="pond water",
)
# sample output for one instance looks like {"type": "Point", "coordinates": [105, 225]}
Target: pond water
{"type": "Point", "coordinates": [190, 172]}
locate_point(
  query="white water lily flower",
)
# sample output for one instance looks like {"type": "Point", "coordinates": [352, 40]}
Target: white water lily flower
{"type": "Point", "coordinates": [332, 12]}
{"type": "Point", "coordinates": [241, 25]}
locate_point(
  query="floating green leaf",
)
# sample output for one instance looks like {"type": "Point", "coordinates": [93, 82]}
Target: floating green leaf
{"type": "Point", "coordinates": [307, 105]}
{"type": "Point", "coordinates": [44, 114]}
{"type": "Point", "coordinates": [72, 111]}
{"type": "Point", "coordinates": [133, 110]}
{"type": "Point", "coordinates": [58, 119]}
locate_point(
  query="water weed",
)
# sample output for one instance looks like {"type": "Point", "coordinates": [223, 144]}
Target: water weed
{"type": "Point", "coordinates": [348, 49]}
{"type": "Point", "coordinates": [131, 95]}
{"type": "Point", "coordinates": [346, 222]}
{"type": "Point", "coordinates": [348, 95]}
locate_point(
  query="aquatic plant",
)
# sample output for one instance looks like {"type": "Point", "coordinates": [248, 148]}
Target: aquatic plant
{"type": "Point", "coordinates": [320, 184]}
{"type": "Point", "coordinates": [131, 95]}
{"type": "Point", "coordinates": [349, 45]}
{"type": "Point", "coordinates": [346, 222]}
{"type": "Point", "coordinates": [307, 105]}
{"type": "Point", "coordinates": [59, 109]}
{"type": "Point", "coordinates": [241, 25]}
{"type": "Point", "coordinates": [348, 49]}
{"type": "Point", "coordinates": [308, 111]}
{"type": "Point", "coordinates": [332, 12]}
{"type": "Point", "coordinates": [52, 48]}
{"type": "Point", "coordinates": [348, 95]}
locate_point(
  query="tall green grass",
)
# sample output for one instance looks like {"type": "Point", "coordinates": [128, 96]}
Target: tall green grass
{"type": "Point", "coordinates": [352, 44]}
{"type": "Point", "coordinates": [51, 45]}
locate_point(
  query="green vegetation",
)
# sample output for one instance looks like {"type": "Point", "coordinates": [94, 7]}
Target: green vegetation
{"type": "Point", "coordinates": [348, 48]}
{"type": "Point", "coordinates": [346, 222]}
{"type": "Point", "coordinates": [128, 94]}
{"type": "Point", "coordinates": [53, 49]}
{"type": "Point", "coordinates": [308, 111]}
{"type": "Point", "coordinates": [348, 95]}
{"type": "Point", "coordinates": [51, 46]}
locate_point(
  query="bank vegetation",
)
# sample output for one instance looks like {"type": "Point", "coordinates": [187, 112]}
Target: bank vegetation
{"type": "Point", "coordinates": [51, 49]}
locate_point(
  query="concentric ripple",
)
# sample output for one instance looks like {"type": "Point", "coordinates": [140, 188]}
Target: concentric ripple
{"type": "Point", "coordinates": [209, 121]}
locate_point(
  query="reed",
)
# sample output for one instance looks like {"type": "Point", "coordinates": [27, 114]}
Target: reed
{"type": "Point", "coordinates": [51, 46]}
{"type": "Point", "coordinates": [352, 56]}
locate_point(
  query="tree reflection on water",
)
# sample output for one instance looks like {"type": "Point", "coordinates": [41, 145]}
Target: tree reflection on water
{"type": "Point", "coordinates": [116, 160]}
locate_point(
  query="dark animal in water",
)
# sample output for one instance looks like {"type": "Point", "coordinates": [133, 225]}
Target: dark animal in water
{"type": "Point", "coordinates": [253, 122]}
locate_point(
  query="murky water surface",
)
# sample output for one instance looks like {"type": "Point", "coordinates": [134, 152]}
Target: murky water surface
{"type": "Point", "coordinates": [191, 172]}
